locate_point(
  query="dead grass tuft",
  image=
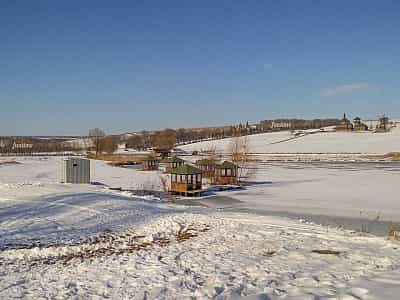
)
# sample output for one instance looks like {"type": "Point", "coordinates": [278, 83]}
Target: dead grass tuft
{"type": "Point", "coordinates": [326, 252]}
{"type": "Point", "coordinates": [269, 253]}
{"type": "Point", "coordinates": [392, 156]}
{"type": "Point", "coordinates": [119, 160]}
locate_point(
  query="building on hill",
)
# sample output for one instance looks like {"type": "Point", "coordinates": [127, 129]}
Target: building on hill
{"type": "Point", "coordinates": [186, 180]}
{"type": "Point", "coordinates": [281, 124]}
{"type": "Point", "coordinates": [226, 173]}
{"type": "Point", "coordinates": [150, 163]}
{"type": "Point", "coordinates": [207, 166]}
{"type": "Point", "coordinates": [345, 125]}
{"type": "Point", "coordinates": [359, 125]}
{"type": "Point", "coordinates": [383, 124]}
{"type": "Point", "coordinates": [295, 124]}
{"type": "Point", "coordinates": [172, 163]}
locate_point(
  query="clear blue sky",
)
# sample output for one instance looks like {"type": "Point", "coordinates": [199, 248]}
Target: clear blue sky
{"type": "Point", "coordinates": [67, 66]}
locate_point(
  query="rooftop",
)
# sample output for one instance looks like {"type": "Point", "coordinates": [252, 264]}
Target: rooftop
{"type": "Point", "coordinates": [226, 165]}
{"type": "Point", "coordinates": [150, 158]}
{"type": "Point", "coordinates": [172, 160]}
{"type": "Point", "coordinates": [205, 162]}
{"type": "Point", "coordinates": [186, 170]}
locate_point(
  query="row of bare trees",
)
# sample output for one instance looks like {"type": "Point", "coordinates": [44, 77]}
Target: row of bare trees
{"type": "Point", "coordinates": [163, 139]}
{"type": "Point", "coordinates": [101, 143]}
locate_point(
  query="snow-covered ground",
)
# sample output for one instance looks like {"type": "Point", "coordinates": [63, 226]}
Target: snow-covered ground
{"type": "Point", "coordinates": [222, 257]}
{"type": "Point", "coordinates": [317, 143]}
{"type": "Point", "coordinates": [87, 241]}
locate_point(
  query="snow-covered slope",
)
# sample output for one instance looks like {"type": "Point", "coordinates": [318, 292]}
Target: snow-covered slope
{"type": "Point", "coordinates": [320, 142]}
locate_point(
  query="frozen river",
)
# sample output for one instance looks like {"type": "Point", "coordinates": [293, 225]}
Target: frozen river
{"type": "Point", "coordinates": [356, 195]}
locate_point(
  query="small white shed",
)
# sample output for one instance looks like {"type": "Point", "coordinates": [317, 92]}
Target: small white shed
{"type": "Point", "coordinates": [75, 170]}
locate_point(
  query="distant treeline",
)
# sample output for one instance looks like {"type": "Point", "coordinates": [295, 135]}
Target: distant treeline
{"type": "Point", "coordinates": [167, 138]}
{"type": "Point", "coordinates": [97, 141]}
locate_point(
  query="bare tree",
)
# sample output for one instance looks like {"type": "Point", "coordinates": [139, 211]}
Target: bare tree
{"type": "Point", "coordinates": [165, 188]}
{"type": "Point", "coordinates": [239, 151]}
{"type": "Point", "coordinates": [211, 153]}
{"type": "Point", "coordinates": [96, 135]}
{"type": "Point", "coordinates": [165, 139]}
{"type": "Point", "coordinates": [108, 144]}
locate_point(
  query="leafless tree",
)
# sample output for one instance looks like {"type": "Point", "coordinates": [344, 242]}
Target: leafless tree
{"type": "Point", "coordinates": [96, 135]}
{"type": "Point", "coordinates": [108, 144]}
{"type": "Point", "coordinates": [165, 139]}
{"type": "Point", "coordinates": [165, 186]}
{"type": "Point", "coordinates": [239, 151]}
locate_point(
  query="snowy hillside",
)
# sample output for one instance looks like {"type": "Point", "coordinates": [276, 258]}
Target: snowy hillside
{"type": "Point", "coordinates": [319, 142]}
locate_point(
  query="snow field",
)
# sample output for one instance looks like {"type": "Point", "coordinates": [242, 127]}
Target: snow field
{"type": "Point", "coordinates": [239, 256]}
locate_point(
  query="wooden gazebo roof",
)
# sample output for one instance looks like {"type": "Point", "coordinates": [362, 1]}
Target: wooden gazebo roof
{"type": "Point", "coordinates": [205, 162]}
{"type": "Point", "coordinates": [186, 170]}
{"type": "Point", "coordinates": [150, 158]}
{"type": "Point", "coordinates": [174, 159]}
{"type": "Point", "coordinates": [226, 165]}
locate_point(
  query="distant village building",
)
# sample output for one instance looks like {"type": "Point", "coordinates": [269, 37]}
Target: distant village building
{"type": "Point", "coordinates": [281, 125]}
{"type": "Point", "coordinates": [344, 125]}
{"type": "Point", "coordinates": [186, 180]}
{"type": "Point", "coordinates": [22, 146]}
{"type": "Point", "coordinates": [226, 173]}
{"type": "Point", "coordinates": [383, 124]}
{"type": "Point", "coordinates": [75, 170]}
{"type": "Point", "coordinates": [150, 163]}
{"type": "Point", "coordinates": [359, 125]}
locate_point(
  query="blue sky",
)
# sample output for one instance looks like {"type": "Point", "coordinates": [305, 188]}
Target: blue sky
{"type": "Point", "coordinates": [67, 66]}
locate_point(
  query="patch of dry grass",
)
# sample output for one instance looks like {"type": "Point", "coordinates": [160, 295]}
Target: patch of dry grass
{"type": "Point", "coordinates": [105, 245]}
{"type": "Point", "coordinates": [119, 160]}
{"type": "Point", "coordinates": [326, 252]}
{"type": "Point", "coordinates": [392, 156]}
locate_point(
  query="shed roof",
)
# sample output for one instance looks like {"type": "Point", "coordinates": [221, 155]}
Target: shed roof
{"type": "Point", "coordinates": [172, 159]}
{"type": "Point", "coordinates": [226, 165]}
{"type": "Point", "coordinates": [186, 170]}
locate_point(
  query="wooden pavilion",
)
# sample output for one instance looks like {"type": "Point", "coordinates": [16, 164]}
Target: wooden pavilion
{"type": "Point", "coordinates": [207, 166]}
{"type": "Point", "coordinates": [150, 163]}
{"type": "Point", "coordinates": [359, 125]}
{"type": "Point", "coordinates": [186, 180]}
{"type": "Point", "coordinates": [172, 163]}
{"type": "Point", "coordinates": [226, 173]}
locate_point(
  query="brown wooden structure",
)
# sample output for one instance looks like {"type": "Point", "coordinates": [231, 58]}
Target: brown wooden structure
{"type": "Point", "coordinates": [150, 163]}
{"type": "Point", "coordinates": [383, 124]}
{"type": "Point", "coordinates": [344, 125]}
{"type": "Point", "coordinates": [207, 166]}
{"type": "Point", "coordinates": [186, 180]}
{"type": "Point", "coordinates": [161, 153]}
{"type": "Point", "coordinates": [226, 173]}
{"type": "Point", "coordinates": [359, 126]}
{"type": "Point", "coordinates": [172, 163]}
